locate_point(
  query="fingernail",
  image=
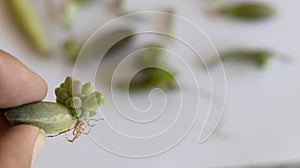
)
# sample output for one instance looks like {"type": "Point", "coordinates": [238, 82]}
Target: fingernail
{"type": "Point", "coordinates": [38, 146]}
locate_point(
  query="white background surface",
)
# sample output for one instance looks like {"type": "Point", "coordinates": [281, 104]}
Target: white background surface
{"type": "Point", "coordinates": [260, 123]}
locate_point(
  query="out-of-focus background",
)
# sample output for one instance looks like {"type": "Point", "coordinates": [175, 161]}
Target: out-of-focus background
{"type": "Point", "coordinates": [261, 117]}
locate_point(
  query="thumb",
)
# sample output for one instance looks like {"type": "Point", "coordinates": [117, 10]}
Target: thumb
{"type": "Point", "coordinates": [20, 146]}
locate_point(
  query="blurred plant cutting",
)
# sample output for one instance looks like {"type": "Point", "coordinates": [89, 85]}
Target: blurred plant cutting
{"type": "Point", "coordinates": [155, 72]}
{"type": "Point", "coordinates": [260, 57]}
{"type": "Point", "coordinates": [30, 24]}
{"type": "Point", "coordinates": [247, 10]}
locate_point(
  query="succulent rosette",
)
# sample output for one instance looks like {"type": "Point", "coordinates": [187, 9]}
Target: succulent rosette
{"type": "Point", "coordinates": [75, 107]}
{"type": "Point", "coordinates": [82, 100]}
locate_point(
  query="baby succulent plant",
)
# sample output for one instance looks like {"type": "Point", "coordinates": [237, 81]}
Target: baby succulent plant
{"type": "Point", "coordinates": [75, 107]}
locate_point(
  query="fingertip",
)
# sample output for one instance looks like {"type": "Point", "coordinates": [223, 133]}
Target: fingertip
{"type": "Point", "coordinates": [40, 86]}
{"type": "Point", "coordinates": [38, 146]}
{"type": "Point", "coordinates": [17, 146]}
{"type": "Point", "coordinates": [19, 85]}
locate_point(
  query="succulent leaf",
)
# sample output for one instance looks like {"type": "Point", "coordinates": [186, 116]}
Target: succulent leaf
{"type": "Point", "coordinates": [87, 88]}
{"type": "Point", "coordinates": [93, 102]}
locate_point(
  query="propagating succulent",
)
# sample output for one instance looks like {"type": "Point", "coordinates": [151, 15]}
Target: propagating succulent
{"type": "Point", "coordinates": [75, 107]}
